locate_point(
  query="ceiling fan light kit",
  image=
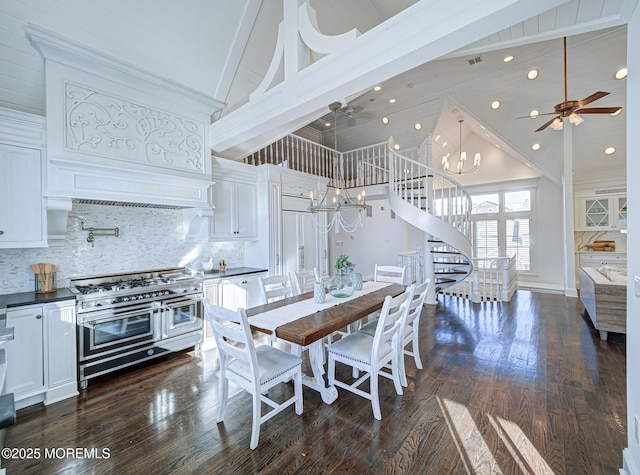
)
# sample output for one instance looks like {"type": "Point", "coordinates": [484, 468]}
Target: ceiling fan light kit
{"type": "Point", "coordinates": [573, 109]}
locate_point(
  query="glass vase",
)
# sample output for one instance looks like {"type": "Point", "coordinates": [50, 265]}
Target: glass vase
{"type": "Point", "coordinates": [357, 281]}
{"type": "Point", "coordinates": [341, 285]}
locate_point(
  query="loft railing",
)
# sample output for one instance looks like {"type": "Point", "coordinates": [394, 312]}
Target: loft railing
{"type": "Point", "coordinates": [492, 279]}
{"type": "Point", "coordinates": [360, 167]}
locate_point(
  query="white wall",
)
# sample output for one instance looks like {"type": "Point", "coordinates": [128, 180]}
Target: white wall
{"type": "Point", "coordinates": [547, 244]}
{"type": "Point", "coordinates": [632, 454]}
{"type": "Point", "coordinates": [149, 239]}
{"type": "Point", "coordinates": [377, 241]}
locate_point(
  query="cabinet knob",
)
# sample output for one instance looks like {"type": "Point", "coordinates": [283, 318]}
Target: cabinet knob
{"type": "Point", "coordinates": [1, 232]}
{"type": "Point", "coordinates": [38, 317]}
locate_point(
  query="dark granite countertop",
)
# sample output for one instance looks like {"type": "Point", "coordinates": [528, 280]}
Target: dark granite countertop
{"type": "Point", "coordinates": [231, 272]}
{"type": "Point", "coordinates": [32, 298]}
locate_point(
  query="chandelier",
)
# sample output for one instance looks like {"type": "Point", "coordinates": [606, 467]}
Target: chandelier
{"type": "Point", "coordinates": [462, 161]}
{"type": "Point", "coordinates": [337, 209]}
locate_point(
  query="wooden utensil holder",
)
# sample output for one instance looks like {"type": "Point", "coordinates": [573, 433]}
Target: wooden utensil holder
{"type": "Point", "coordinates": [45, 282]}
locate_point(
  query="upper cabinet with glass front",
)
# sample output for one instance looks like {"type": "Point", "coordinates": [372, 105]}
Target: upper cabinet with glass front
{"type": "Point", "coordinates": [605, 212]}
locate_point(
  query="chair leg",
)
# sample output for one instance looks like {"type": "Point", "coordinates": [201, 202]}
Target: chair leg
{"type": "Point", "coordinates": [255, 425]}
{"type": "Point", "coordinates": [416, 349]}
{"type": "Point", "coordinates": [224, 395]}
{"type": "Point", "coordinates": [331, 370]}
{"type": "Point", "coordinates": [375, 400]}
{"type": "Point", "coordinates": [297, 388]}
{"type": "Point", "coordinates": [401, 368]}
{"type": "Point", "coordinates": [397, 371]}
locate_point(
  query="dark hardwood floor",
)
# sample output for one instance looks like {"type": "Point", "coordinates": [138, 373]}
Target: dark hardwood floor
{"type": "Point", "coordinates": [522, 387]}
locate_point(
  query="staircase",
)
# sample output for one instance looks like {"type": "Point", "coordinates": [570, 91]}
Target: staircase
{"type": "Point", "coordinates": [439, 206]}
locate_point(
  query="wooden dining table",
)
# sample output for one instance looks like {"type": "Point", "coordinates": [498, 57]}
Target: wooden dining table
{"type": "Point", "coordinates": [308, 331]}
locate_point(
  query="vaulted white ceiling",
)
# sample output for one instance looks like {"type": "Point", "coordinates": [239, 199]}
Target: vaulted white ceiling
{"type": "Point", "coordinates": [224, 48]}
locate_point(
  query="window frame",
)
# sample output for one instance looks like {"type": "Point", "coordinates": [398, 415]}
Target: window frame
{"type": "Point", "coordinates": [502, 216]}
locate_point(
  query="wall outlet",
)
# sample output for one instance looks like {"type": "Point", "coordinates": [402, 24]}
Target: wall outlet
{"type": "Point", "coordinates": [636, 279]}
{"type": "Point", "coordinates": [635, 419]}
{"type": "Point", "coordinates": [339, 243]}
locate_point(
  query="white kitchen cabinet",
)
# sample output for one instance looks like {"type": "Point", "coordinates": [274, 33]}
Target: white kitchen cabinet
{"type": "Point", "coordinates": [41, 359]}
{"type": "Point", "coordinates": [599, 213]}
{"type": "Point", "coordinates": [22, 214]}
{"type": "Point", "coordinates": [599, 259]}
{"type": "Point", "coordinates": [25, 353]}
{"type": "Point", "coordinates": [232, 293]}
{"type": "Point", "coordinates": [240, 292]}
{"type": "Point", "coordinates": [235, 213]}
{"type": "Point", "coordinates": [303, 247]}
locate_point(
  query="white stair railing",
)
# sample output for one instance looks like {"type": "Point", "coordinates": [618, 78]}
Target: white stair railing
{"type": "Point", "coordinates": [433, 192]}
{"type": "Point", "coordinates": [492, 279]}
{"type": "Point", "coordinates": [438, 205]}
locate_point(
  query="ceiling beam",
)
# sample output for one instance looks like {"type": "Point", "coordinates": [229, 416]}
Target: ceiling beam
{"type": "Point", "coordinates": [421, 33]}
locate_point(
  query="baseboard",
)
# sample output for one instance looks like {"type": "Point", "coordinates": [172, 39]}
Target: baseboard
{"type": "Point", "coordinates": [628, 465]}
{"type": "Point", "coordinates": [540, 287]}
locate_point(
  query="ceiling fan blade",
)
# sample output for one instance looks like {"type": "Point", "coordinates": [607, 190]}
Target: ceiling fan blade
{"type": "Point", "coordinates": [530, 117]}
{"type": "Point", "coordinates": [547, 124]}
{"type": "Point", "coordinates": [598, 110]}
{"type": "Point", "coordinates": [593, 97]}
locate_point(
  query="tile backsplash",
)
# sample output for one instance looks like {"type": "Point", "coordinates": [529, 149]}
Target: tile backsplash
{"type": "Point", "coordinates": [149, 239]}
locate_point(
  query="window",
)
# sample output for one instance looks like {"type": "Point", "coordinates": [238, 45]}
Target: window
{"type": "Point", "coordinates": [502, 225]}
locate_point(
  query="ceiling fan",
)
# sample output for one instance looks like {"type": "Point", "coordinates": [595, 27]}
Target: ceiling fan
{"type": "Point", "coordinates": [573, 109]}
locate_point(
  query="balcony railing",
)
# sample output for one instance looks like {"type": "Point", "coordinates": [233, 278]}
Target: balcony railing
{"type": "Point", "coordinates": [360, 167]}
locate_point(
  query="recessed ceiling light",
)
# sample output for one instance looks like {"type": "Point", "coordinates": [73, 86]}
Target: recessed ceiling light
{"type": "Point", "coordinates": [534, 113]}
{"type": "Point", "coordinates": [609, 150]}
{"type": "Point", "coordinates": [327, 124]}
{"type": "Point", "coordinates": [508, 59]}
{"type": "Point", "coordinates": [621, 73]}
{"type": "Point", "coordinates": [535, 147]}
{"type": "Point", "coordinates": [532, 74]}
{"type": "Point", "coordinates": [396, 146]}
{"type": "Point", "coordinates": [528, 164]}
{"type": "Point", "coordinates": [616, 112]}
{"type": "Point", "coordinates": [437, 138]}
{"type": "Point", "coordinates": [392, 101]}
{"type": "Point", "coordinates": [444, 144]}
{"type": "Point", "coordinates": [385, 120]}
{"type": "Point", "coordinates": [417, 126]}
{"type": "Point", "coordinates": [497, 146]}
{"type": "Point", "coordinates": [495, 105]}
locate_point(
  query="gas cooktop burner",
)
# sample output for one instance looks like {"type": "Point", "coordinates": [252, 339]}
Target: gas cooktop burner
{"type": "Point", "coordinates": [116, 289]}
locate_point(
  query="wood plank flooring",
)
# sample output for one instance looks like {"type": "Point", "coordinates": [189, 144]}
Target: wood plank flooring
{"type": "Point", "coordinates": [519, 387]}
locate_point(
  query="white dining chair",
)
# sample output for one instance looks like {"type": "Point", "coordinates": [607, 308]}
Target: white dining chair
{"type": "Point", "coordinates": [254, 369]}
{"type": "Point", "coordinates": [391, 274]}
{"type": "Point", "coordinates": [303, 281]}
{"type": "Point", "coordinates": [409, 332]}
{"type": "Point", "coordinates": [371, 354]}
{"type": "Point", "coordinates": [275, 287]}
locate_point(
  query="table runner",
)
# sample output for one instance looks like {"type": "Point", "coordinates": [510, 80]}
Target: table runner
{"type": "Point", "coordinates": [272, 319]}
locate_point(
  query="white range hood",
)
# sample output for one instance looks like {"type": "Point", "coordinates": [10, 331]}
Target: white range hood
{"type": "Point", "coordinates": [119, 135]}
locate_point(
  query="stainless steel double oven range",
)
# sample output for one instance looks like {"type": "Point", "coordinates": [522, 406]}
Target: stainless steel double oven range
{"type": "Point", "coordinates": [127, 318]}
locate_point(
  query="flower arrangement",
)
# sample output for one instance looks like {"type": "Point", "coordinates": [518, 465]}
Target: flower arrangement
{"type": "Point", "coordinates": [343, 265]}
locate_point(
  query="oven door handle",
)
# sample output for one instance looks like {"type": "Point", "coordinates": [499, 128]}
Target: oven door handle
{"type": "Point", "coordinates": [168, 305]}
{"type": "Point", "coordinates": [119, 316]}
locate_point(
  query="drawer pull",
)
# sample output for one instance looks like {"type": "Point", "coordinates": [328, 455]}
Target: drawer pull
{"type": "Point", "coordinates": [38, 317]}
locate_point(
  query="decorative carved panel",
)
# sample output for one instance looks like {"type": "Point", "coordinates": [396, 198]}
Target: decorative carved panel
{"type": "Point", "coordinates": [108, 126]}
